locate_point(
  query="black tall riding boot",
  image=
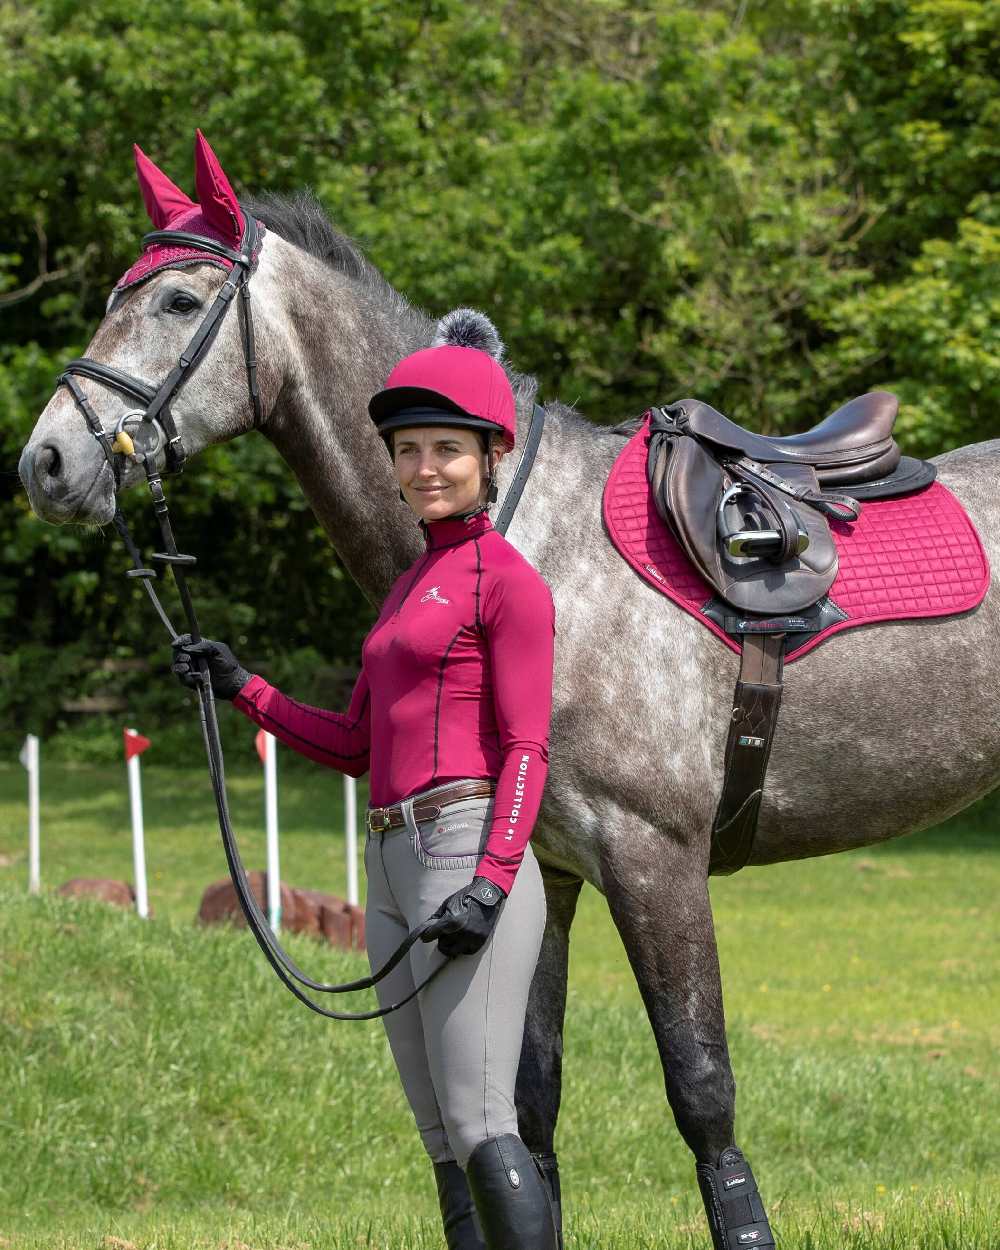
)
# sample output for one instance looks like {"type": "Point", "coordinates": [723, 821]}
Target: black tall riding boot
{"type": "Point", "coordinates": [548, 1167]}
{"type": "Point", "coordinates": [511, 1197]}
{"type": "Point", "coordinates": [458, 1211]}
{"type": "Point", "coordinates": [735, 1212]}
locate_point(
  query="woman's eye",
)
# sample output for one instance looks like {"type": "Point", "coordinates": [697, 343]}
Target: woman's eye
{"type": "Point", "coordinates": [182, 304]}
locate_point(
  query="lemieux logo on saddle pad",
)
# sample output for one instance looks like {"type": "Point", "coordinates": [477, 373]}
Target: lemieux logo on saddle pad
{"type": "Point", "coordinates": [912, 556]}
{"type": "Point", "coordinates": [432, 596]}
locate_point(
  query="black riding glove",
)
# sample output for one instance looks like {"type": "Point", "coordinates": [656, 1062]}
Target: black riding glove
{"type": "Point", "coordinates": [466, 919]}
{"type": "Point", "coordinates": [228, 676]}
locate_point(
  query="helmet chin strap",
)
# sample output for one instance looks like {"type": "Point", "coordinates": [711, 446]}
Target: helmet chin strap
{"type": "Point", "coordinates": [491, 493]}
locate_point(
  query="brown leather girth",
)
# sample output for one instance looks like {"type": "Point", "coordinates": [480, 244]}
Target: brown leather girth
{"type": "Point", "coordinates": [751, 732]}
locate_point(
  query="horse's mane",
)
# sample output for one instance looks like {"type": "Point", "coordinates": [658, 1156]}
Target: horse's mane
{"type": "Point", "coordinates": [300, 219]}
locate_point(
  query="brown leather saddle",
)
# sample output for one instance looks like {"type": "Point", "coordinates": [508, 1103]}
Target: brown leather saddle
{"type": "Point", "coordinates": [753, 512]}
{"type": "Point", "coordinates": [753, 515]}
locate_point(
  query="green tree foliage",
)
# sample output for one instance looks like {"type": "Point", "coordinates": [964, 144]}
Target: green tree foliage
{"type": "Point", "coordinates": [772, 206]}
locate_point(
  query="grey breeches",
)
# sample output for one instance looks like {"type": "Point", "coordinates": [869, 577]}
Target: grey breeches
{"type": "Point", "coordinates": [458, 1043]}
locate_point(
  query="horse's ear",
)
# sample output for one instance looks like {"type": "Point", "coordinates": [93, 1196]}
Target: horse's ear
{"type": "Point", "coordinates": [163, 200]}
{"type": "Point", "coordinates": [215, 194]}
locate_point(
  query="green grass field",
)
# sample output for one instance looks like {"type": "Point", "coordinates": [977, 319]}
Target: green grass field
{"type": "Point", "coordinates": [161, 1089]}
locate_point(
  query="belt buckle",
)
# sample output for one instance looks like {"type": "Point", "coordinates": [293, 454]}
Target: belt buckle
{"type": "Point", "coordinates": [379, 828]}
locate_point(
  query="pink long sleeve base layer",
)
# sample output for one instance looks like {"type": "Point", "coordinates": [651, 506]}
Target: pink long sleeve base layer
{"type": "Point", "coordinates": [456, 682]}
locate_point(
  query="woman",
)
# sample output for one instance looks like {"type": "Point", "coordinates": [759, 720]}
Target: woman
{"type": "Point", "coordinates": [451, 715]}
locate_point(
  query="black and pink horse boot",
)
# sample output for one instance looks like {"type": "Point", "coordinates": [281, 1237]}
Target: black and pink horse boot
{"type": "Point", "coordinates": [735, 1212]}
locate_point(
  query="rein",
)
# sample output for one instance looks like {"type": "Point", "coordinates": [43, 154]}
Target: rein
{"type": "Point", "coordinates": [157, 418]}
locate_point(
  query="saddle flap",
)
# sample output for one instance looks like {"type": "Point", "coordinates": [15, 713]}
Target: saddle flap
{"type": "Point", "coordinates": [688, 485]}
{"type": "Point", "coordinates": [754, 584]}
{"type": "Point", "coordinates": [688, 500]}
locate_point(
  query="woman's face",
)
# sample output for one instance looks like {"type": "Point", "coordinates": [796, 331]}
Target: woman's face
{"type": "Point", "coordinates": [441, 469]}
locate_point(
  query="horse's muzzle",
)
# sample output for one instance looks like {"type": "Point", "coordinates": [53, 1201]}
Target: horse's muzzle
{"type": "Point", "coordinates": [57, 499]}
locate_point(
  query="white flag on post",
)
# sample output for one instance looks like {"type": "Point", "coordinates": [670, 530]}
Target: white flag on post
{"type": "Point", "coordinates": [135, 744]}
{"type": "Point", "coordinates": [29, 758]}
{"type": "Point", "coordinates": [267, 750]}
{"type": "Point", "coordinates": [351, 837]}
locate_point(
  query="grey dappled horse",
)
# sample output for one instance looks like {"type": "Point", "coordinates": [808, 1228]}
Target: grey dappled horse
{"type": "Point", "coordinates": [883, 730]}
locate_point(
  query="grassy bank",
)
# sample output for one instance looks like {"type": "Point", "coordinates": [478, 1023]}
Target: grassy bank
{"type": "Point", "coordinates": [162, 1089]}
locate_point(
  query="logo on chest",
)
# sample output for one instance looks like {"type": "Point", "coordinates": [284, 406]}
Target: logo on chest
{"type": "Point", "coordinates": [432, 596]}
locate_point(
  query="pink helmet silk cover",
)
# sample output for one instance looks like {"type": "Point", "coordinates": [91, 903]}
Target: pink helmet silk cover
{"type": "Point", "coordinates": [469, 380]}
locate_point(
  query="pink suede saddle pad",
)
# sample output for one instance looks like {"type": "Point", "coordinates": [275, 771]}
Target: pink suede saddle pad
{"type": "Point", "coordinates": [913, 556]}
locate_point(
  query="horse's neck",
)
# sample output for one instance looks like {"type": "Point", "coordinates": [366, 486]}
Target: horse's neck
{"type": "Point", "coordinates": [336, 358]}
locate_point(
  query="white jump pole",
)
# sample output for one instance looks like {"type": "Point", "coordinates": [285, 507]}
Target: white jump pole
{"type": "Point", "coordinates": [135, 744]}
{"type": "Point", "coordinates": [29, 758]}
{"type": "Point", "coordinates": [351, 819]}
{"type": "Point", "coordinates": [271, 819]}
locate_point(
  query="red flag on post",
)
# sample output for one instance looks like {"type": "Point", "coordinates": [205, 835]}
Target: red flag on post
{"type": "Point", "coordinates": [260, 742]}
{"type": "Point", "coordinates": [135, 743]}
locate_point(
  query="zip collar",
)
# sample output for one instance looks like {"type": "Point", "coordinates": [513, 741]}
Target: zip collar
{"type": "Point", "coordinates": [451, 530]}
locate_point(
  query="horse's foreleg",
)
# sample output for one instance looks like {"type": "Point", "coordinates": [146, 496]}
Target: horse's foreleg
{"type": "Point", "coordinates": [658, 897]}
{"type": "Point", "coordinates": [539, 1075]}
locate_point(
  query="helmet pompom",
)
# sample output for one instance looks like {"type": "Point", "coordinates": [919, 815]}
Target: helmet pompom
{"type": "Point", "coordinates": [465, 327]}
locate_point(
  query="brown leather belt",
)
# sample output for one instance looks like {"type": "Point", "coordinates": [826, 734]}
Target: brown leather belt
{"type": "Point", "coordinates": [379, 819]}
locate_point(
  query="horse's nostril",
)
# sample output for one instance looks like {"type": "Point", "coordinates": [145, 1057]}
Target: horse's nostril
{"type": "Point", "coordinates": [48, 462]}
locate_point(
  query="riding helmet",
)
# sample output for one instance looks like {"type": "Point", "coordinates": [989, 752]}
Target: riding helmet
{"type": "Point", "coordinates": [458, 380]}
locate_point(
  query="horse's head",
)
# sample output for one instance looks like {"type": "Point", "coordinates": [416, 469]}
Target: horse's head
{"type": "Point", "coordinates": [152, 316]}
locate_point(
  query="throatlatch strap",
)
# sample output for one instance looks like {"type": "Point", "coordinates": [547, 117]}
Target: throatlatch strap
{"type": "Point", "coordinates": [751, 732]}
{"type": "Point", "coordinates": [534, 437]}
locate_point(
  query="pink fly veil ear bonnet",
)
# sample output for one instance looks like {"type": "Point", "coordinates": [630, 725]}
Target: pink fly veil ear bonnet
{"type": "Point", "coordinates": [216, 215]}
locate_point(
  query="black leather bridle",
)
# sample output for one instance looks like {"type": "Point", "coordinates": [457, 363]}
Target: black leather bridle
{"type": "Point", "coordinates": [157, 400]}
{"type": "Point", "coordinates": [156, 416]}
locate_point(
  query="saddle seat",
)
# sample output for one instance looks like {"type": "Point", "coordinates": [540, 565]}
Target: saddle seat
{"type": "Point", "coordinates": [852, 445]}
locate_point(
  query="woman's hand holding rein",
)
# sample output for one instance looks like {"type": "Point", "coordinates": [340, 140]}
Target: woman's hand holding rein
{"type": "Point", "coordinates": [227, 675]}
{"type": "Point", "coordinates": [466, 918]}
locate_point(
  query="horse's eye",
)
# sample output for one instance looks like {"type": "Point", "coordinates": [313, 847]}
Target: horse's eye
{"type": "Point", "coordinates": [182, 303]}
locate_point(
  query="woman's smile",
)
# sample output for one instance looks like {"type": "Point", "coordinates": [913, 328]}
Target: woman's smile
{"type": "Point", "coordinates": [456, 455]}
